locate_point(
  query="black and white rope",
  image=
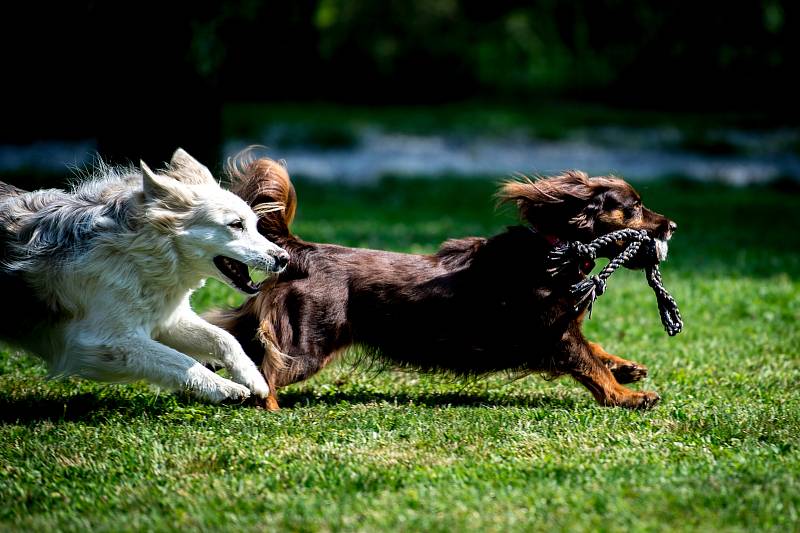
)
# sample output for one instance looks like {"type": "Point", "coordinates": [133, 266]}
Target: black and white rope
{"type": "Point", "coordinates": [585, 292]}
{"type": "Point", "coordinates": [667, 306]}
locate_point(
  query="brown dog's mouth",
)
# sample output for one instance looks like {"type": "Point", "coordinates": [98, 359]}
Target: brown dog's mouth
{"type": "Point", "coordinates": [237, 273]}
{"type": "Point", "coordinates": [650, 253]}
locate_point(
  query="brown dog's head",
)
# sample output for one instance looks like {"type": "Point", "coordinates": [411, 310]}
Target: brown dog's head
{"type": "Point", "coordinates": [574, 206]}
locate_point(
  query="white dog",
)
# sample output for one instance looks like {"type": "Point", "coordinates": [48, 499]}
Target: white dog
{"type": "Point", "coordinates": [97, 280]}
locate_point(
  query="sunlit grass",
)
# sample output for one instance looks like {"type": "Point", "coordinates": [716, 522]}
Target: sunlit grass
{"type": "Point", "coordinates": [354, 449]}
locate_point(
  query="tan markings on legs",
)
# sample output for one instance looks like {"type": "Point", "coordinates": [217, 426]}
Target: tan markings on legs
{"type": "Point", "coordinates": [624, 371]}
{"type": "Point", "coordinates": [590, 371]}
{"type": "Point", "coordinates": [271, 403]}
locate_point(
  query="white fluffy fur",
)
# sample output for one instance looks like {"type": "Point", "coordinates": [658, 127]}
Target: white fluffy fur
{"type": "Point", "coordinates": [115, 261]}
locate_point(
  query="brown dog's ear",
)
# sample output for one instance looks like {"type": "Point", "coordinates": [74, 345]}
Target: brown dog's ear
{"type": "Point", "coordinates": [537, 199]}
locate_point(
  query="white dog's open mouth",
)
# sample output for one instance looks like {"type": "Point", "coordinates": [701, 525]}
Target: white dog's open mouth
{"type": "Point", "coordinates": [661, 249]}
{"type": "Point", "coordinates": [237, 273]}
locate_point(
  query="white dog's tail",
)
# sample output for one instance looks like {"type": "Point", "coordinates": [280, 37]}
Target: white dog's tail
{"type": "Point", "coordinates": [9, 190]}
{"type": "Point", "coordinates": [265, 185]}
{"type": "Point", "coordinates": [6, 192]}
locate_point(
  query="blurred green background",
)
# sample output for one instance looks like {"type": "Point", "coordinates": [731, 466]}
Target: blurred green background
{"type": "Point", "coordinates": [135, 79]}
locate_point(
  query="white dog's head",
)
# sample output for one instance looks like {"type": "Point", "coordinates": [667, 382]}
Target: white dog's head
{"type": "Point", "coordinates": [212, 230]}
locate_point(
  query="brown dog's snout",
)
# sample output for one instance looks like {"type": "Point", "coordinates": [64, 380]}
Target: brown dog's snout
{"type": "Point", "coordinates": [658, 225]}
{"type": "Point", "coordinates": [668, 229]}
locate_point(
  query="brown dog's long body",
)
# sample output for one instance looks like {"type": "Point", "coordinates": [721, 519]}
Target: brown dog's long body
{"type": "Point", "coordinates": [478, 305]}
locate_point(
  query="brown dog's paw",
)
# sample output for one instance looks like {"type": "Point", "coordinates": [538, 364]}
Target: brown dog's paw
{"type": "Point", "coordinates": [271, 403]}
{"type": "Point", "coordinates": [628, 373]}
{"type": "Point", "coordinates": [640, 400]}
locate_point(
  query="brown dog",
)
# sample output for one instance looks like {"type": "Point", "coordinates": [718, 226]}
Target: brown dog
{"type": "Point", "coordinates": [478, 305]}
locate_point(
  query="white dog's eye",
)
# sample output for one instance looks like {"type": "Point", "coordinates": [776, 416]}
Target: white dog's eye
{"type": "Point", "coordinates": [237, 224]}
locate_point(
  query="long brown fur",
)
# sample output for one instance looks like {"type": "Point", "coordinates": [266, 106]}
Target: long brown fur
{"type": "Point", "coordinates": [478, 305]}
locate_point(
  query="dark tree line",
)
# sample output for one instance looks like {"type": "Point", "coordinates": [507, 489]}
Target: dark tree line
{"type": "Point", "coordinates": [126, 71]}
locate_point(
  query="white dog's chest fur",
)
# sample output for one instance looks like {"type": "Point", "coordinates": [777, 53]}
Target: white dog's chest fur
{"type": "Point", "coordinates": [110, 292]}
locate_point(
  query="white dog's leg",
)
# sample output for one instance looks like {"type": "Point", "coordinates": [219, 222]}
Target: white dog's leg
{"type": "Point", "coordinates": [193, 335]}
{"type": "Point", "coordinates": [139, 357]}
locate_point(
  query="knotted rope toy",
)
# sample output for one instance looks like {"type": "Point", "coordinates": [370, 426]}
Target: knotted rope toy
{"type": "Point", "coordinates": [564, 256]}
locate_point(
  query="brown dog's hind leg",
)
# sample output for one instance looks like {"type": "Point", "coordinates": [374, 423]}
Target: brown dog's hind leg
{"type": "Point", "coordinates": [271, 403]}
{"type": "Point", "coordinates": [624, 371]}
{"type": "Point", "coordinates": [592, 372]}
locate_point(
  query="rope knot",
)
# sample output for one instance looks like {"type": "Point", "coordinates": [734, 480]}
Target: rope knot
{"type": "Point", "coordinates": [563, 259]}
{"type": "Point", "coordinates": [584, 251]}
{"type": "Point", "coordinates": [599, 285]}
{"type": "Point", "coordinates": [587, 290]}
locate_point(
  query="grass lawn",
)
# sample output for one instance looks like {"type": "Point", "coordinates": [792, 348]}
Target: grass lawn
{"type": "Point", "coordinates": [358, 450]}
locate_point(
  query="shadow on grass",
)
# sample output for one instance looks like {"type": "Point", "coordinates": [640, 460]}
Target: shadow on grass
{"type": "Point", "coordinates": [84, 407]}
{"type": "Point", "coordinates": [91, 407]}
{"type": "Point", "coordinates": [292, 399]}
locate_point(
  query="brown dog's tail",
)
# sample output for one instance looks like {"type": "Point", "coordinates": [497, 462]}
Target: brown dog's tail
{"type": "Point", "coordinates": [265, 185]}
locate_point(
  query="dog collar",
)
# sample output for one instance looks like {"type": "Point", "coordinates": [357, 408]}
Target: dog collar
{"type": "Point", "coordinates": [550, 238]}
{"type": "Point", "coordinates": [586, 266]}
{"type": "Point", "coordinates": [553, 240]}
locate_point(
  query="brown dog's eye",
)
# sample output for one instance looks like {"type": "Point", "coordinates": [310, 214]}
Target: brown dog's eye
{"type": "Point", "coordinates": [631, 212]}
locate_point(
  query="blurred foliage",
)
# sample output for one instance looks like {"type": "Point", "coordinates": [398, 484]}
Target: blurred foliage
{"type": "Point", "coordinates": [414, 50]}
{"type": "Point", "coordinates": [443, 49]}
{"type": "Point", "coordinates": [140, 75]}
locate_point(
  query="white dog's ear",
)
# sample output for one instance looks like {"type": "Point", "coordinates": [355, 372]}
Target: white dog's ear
{"type": "Point", "coordinates": [154, 186]}
{"type": "Point", "coordinates": [187, 169]}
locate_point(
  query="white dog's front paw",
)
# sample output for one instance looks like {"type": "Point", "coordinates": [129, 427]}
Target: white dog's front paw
{"type": "Point", "coordinates": [256, 383]}
{"type": "Point", "coordinates": [224, 390]}
{"type": "Point", "coordinates": [237, 392]}
{"type": "Point", "coordinates": [212, 387]}
{"type": "Point", "coordinates": [244, 371]}
{"type": "Point", "coordinates": [233, 392]}
{"type": "Point", "coordinates": [260, 389]}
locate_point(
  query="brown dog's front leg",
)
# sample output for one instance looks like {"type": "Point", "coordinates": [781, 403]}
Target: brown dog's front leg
{"type": "Point", "coordinates": [592, 372]}
{"type": "Point", "coordinates": [624, 371]}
